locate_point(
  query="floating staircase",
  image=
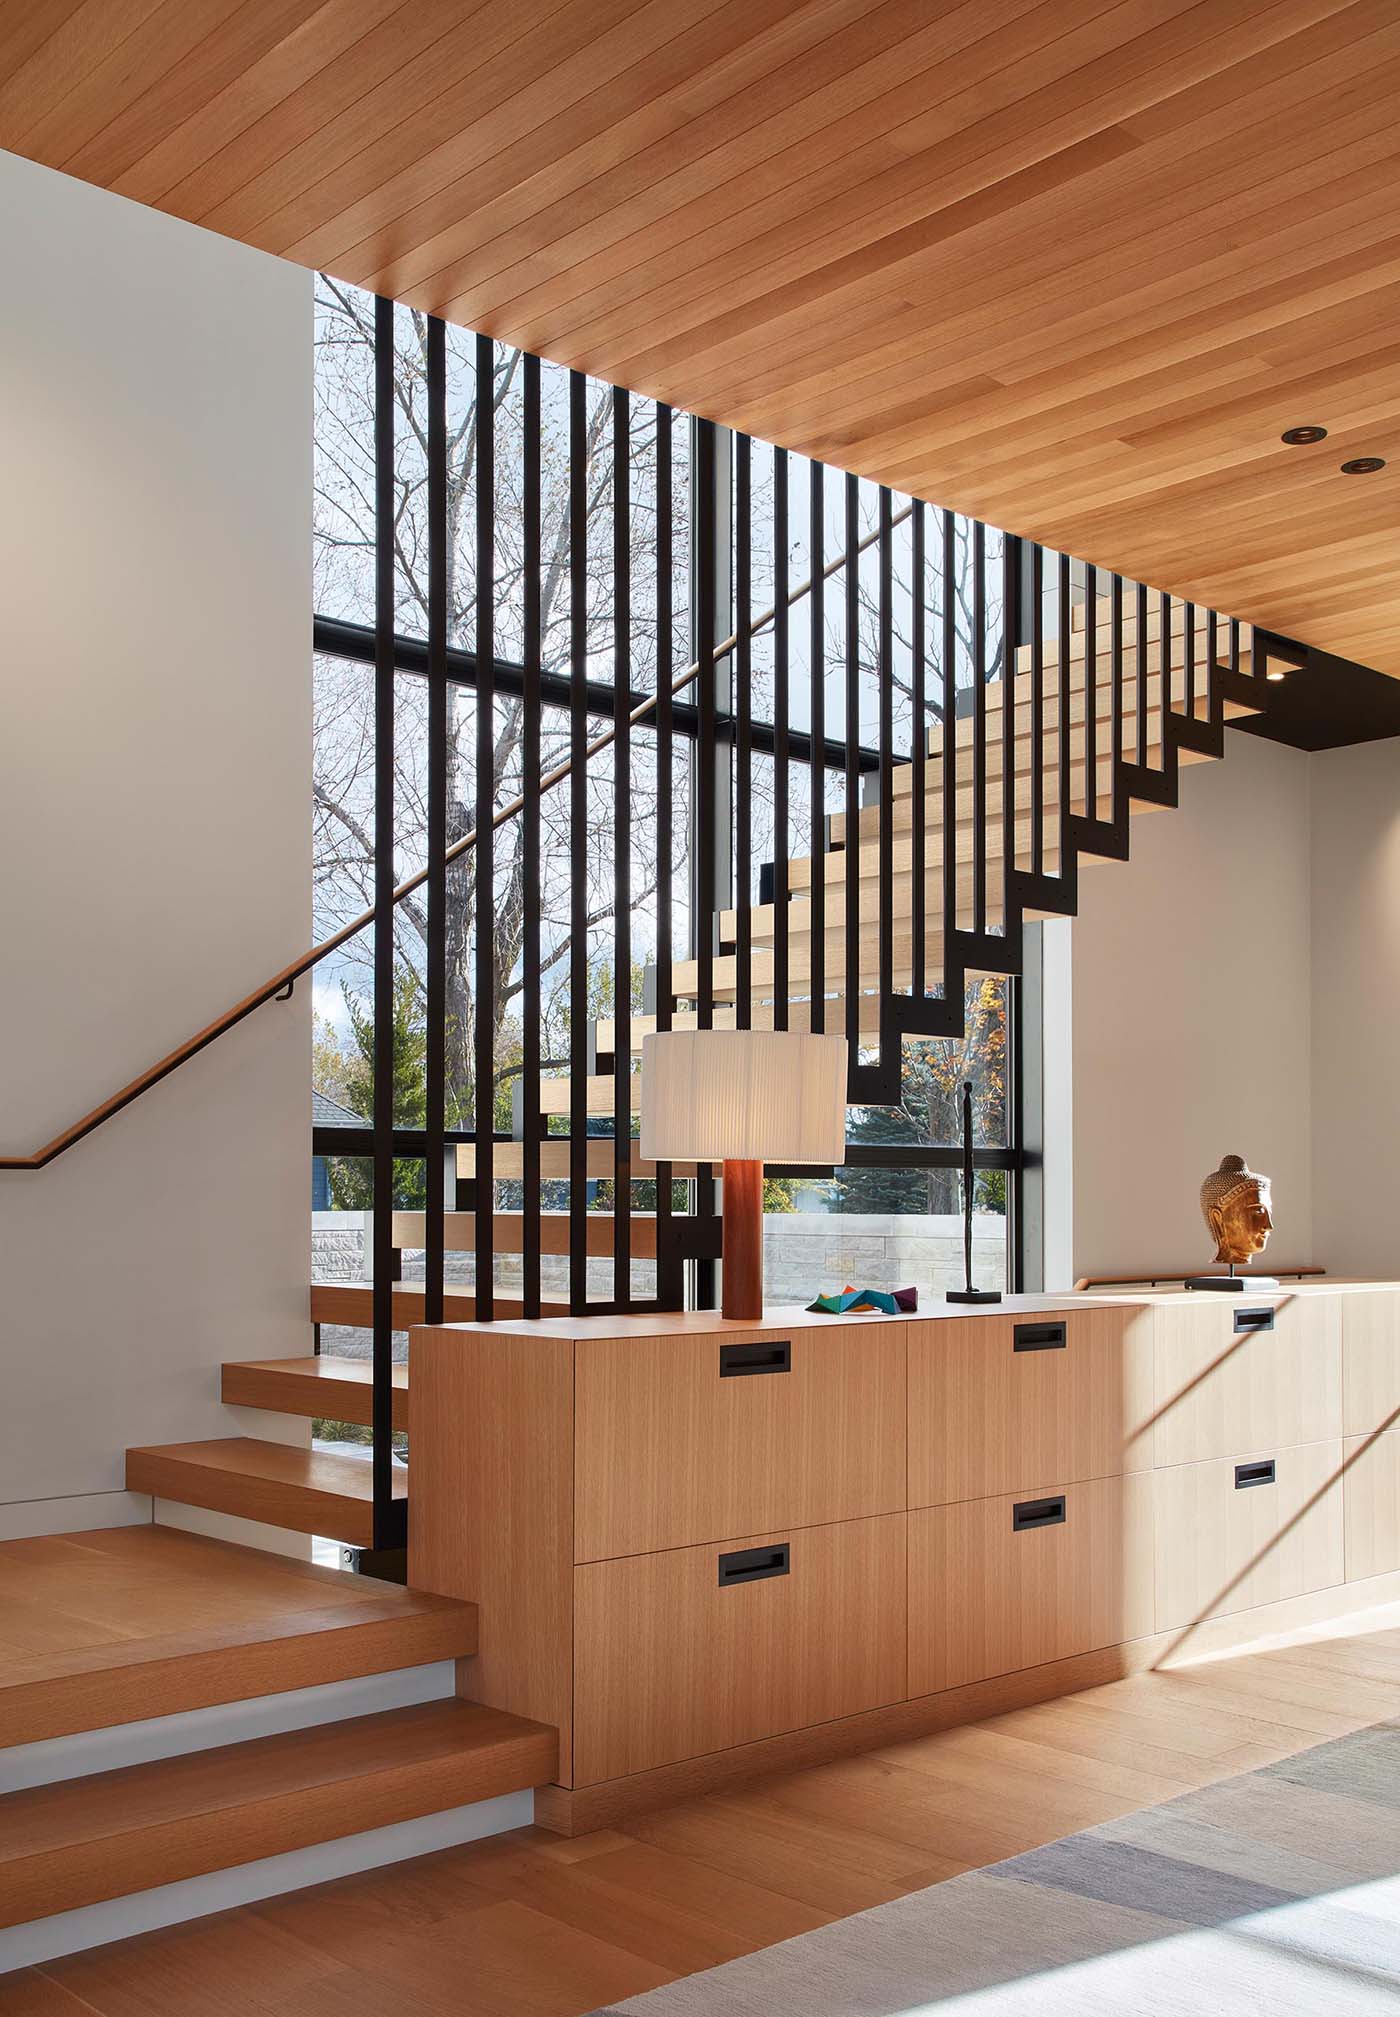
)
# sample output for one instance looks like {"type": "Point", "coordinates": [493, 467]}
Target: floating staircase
{"type": "Point", "coordinates": [155, 1724]}
{"type": "Point", "coordinates": [1000, 815]}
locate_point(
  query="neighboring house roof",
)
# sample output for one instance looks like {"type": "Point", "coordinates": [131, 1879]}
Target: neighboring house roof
{"type": "Point", "coordinates": [329, 1113]}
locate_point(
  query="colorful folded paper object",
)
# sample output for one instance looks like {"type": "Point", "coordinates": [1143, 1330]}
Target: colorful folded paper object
{"type": "Point", "coordinates": [855, 1302]}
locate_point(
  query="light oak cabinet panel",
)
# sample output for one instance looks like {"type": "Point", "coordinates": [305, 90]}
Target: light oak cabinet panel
{"type": "Point", "coordinates": [1370, 1361]}
{"type": "Point", "coordinates": [1244, 1531]}
{"type": "Point", "coordinates": [688, 1439]}
{"type": "Point", "coordinates": [1000, 1584]}
{"type": "Point", "coordinates": [1371, 1504]}
{"type": "Point", "coordinates": [1246, 1372]}
{"type": "Point", "coordinates": [698, 1649]}
{"type": "Point", "coordinates": [998, 1403]}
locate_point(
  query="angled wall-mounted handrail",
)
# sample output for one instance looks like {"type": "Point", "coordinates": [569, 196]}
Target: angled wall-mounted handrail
{"type": "Point", "coordinates": [282, 982]}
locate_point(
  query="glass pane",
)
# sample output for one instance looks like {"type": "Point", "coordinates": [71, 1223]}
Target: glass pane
{"type": "Point", "coordinates": [929, 1114]}
{"type": "Point", "coordinates": [882, 1229]}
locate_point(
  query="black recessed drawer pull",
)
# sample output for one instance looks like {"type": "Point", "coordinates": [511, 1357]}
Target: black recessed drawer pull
{"type": "Point", "coordinates": [737, 1360]}
{"type": "Point", "coordinates": [1254, 1320]}
{"type": "Point", "coordinates": [1254, 1474]}
{"type": "Point", "coordinates": [751, 1565]}
{"type": "Point", "coordinates": [1038, 1338]}
{"type": "Point", "coordinates": [1038, 1513]}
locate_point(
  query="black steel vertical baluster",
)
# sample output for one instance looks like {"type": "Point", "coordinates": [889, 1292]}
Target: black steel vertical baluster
{"type": "Point", "coordinates": [532, 758]}
{"type": "Point", "coordinates": [781, 629]}
{"type": "Point", "coordinates": [743, 750]}
{"type": "Point", "coordinates": [1213, 696]}
{"type": "Point", "coordinates": [1165, 625]}
{"type": "Point", "coordinates": [1188, 661]}
{"type": "Point", "coordinates": [854, 836]}
{"type": "Point", "coordinates": [1141, 613]}
{"type": "Point", "coordinates": [1116, 684]}
{"type": "Point", "coordinates": [1091, 692]}
{"type": "Point", "coordinates": [704, 535]}
{"type": "Point", "coordinates": [817, 724]}
{"type": "Point", "coordinates": [1037, 709]}
{"type": "Point", "coordinates": [578, 842]}
{"type": "Point", "coordinates": [918, 755]}
{"type": "Point", "coordinates": [885, 681]}
{"type": "Point", "coordinates": [1066, 747]}
{"type": "Point", "coordinates": [435, 1049]}
{"type": "Point", "coordinates": [382, 1402]}
{"type": "Point", "coordinates": [622, 845]}
{"type": "Point", "coordinates": [1010, 642]}
{"type": "Point", "coordinates": [484, 1068]}
{"type": "Point", "coordinates": [950, 741]}
{"type": "Point", "coordinates": [979, 726]}
{"type": "Point", "coordinates": [1234, 644]}
{"type": "Point", "coordinates": [670, 1284]}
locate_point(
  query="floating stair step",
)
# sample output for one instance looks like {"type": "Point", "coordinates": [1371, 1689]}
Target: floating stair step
{"type": "Point", "coordinates": [555, 1095]}
{"type": "Point", "coordinates": [125, 1623]}
{"type": "Point", "coordinates": [323, 1388]}
{"type": "Point", "coordinates": [115, 1833]}
{"type": "Point", "coordinates": [459, 1228]}
{"type": "Point", "coordinates": [724, 1017]}
{"type": "Point", "coordinates": [308, 1491]}
{"type": "Point", "coordinates": [351, 1304]}
{"type": "Point", "coordinates": [508, 1161]}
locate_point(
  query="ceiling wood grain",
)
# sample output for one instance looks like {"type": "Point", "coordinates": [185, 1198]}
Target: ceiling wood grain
{"type": "Point", "coordinates": [1070, 267]}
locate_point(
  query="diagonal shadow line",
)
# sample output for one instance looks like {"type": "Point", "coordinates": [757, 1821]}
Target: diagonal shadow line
{"type": "Point", "coordinates": [1308, 1506]}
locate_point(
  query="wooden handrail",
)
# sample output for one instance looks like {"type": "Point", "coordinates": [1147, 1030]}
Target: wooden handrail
{"type": "Point", "coordinates": [282, 982]}
{"type": "Point", "coordinates": [1157, 1277]}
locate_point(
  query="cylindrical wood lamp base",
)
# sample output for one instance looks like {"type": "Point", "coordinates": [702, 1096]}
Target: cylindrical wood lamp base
{"type": "Point", "coordinates": [743, 1241]}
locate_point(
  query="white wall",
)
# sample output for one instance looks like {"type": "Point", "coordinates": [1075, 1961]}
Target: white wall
{"type": "Point", "coordinates": [1192, 1013]}
{"type": "Point", "coordinates": [1356, 988]}
{"type": "Point", "coordinates": [154, 799]}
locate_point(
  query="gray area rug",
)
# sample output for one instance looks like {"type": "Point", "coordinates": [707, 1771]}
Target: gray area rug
{"type": "Point", "coordinates": [1275, 1893]}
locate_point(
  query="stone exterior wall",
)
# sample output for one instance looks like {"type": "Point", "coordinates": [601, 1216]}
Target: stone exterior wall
{"type": "Point", "coordinates": [804, 1253]}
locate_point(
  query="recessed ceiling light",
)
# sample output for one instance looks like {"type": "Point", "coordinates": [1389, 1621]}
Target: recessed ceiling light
{"type": "Point", "coordinates": [1300, 437]}
{"type": "Point", "coordinates": [1275, 676]}
{"type": "Point", "coordinates": [1363, 465]}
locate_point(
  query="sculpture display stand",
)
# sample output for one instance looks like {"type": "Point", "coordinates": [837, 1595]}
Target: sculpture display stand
{"type": "Point", "coordinates": [967, 1294]}
{"type": "Point", "coordinates": [1236, 1203]}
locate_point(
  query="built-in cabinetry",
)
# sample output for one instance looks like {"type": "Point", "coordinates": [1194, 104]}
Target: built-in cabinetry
{"type": "Point", "coordinates": [688, 1537]}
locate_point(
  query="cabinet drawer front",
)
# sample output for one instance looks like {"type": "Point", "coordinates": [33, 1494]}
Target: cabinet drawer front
{"type": "Point", "coordinates": [1371, 1504]}
{"type": "Point", "coordinates": [1370, 1361]}
{"type": "Point", "coordinates": [998, 1403]}
{"type": "Point", "coordinates": [686, 1439]}
{"type": "Point", "coordinates": [1246, 1373]}
{"type": "Point", "coordinates": [1234, 1533]}
{"type": "Point", "coordinates": [1000, 1584]}
{"type": "Point", "coordinates": [699, 1649]}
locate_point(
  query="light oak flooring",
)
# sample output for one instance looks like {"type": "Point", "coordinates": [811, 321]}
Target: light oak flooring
{"type": "Point", "coordinates": [527, 1925]}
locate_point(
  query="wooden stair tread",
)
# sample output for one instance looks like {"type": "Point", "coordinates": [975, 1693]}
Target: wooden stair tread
{"type": "Point", "coordinates": [351, 1304]}
{"type": "Point", "coordinates": [120, 1624]}
{"type": "Point", "coordinates": [326, 1386]}
{"type": "Point", "coordinates": [310, 1491]}
{"type": "Point", "coordinates": [113, 1833]}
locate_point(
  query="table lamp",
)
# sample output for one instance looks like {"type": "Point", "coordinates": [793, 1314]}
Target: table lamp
{"type": "Point", "coordinates": [743, 1098]}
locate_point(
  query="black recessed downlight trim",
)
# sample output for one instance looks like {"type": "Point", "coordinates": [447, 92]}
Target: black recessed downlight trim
{"type": "Point", "coordinates": [1363, 465]}
{"type": "Point", "coordinates": [1303, 437]}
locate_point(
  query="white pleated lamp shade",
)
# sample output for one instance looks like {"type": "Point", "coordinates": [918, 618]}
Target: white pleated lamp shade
{"type": "Point", "coordinates": [743, 1095]}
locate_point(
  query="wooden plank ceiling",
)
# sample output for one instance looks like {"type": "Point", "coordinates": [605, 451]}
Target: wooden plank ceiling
{"type": "Point", "coordinates": [1068, 265]}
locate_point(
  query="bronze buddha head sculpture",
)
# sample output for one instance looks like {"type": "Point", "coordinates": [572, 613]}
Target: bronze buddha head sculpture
{"type": "Point", "coordinates": [1236, 1201]}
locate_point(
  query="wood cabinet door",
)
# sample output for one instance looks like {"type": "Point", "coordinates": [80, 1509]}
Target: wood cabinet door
{"type": "Point", "coordinates": [1371, 1504]}
{"type": "Point", "coordinates": [699, 1649]}
{"type": "Point", "coordinates": [684, 1439]}
{"type": "Point", "coordinates": [999, 1403]}
{"type": "Point", "coordinates": [1237, 1532]}
{"type": "Point", "coordinates": [1248, 1372]}
{"type": "Point", "coordinates": [1370, 1361]}
{"type": "Point", "coordinates": [996, 1585]}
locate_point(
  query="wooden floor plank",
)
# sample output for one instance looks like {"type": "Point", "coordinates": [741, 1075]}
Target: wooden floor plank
{"type": "Point", "coordinates": [492, 1927]}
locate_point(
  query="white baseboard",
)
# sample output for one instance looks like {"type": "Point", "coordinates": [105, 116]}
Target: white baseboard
{"type": "Point", "coordinates": [75, 1756]}
{"type": "Point", "coordinates": [24, 1519]}
{"type": "Point", "coordinates": [117, 1919]}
